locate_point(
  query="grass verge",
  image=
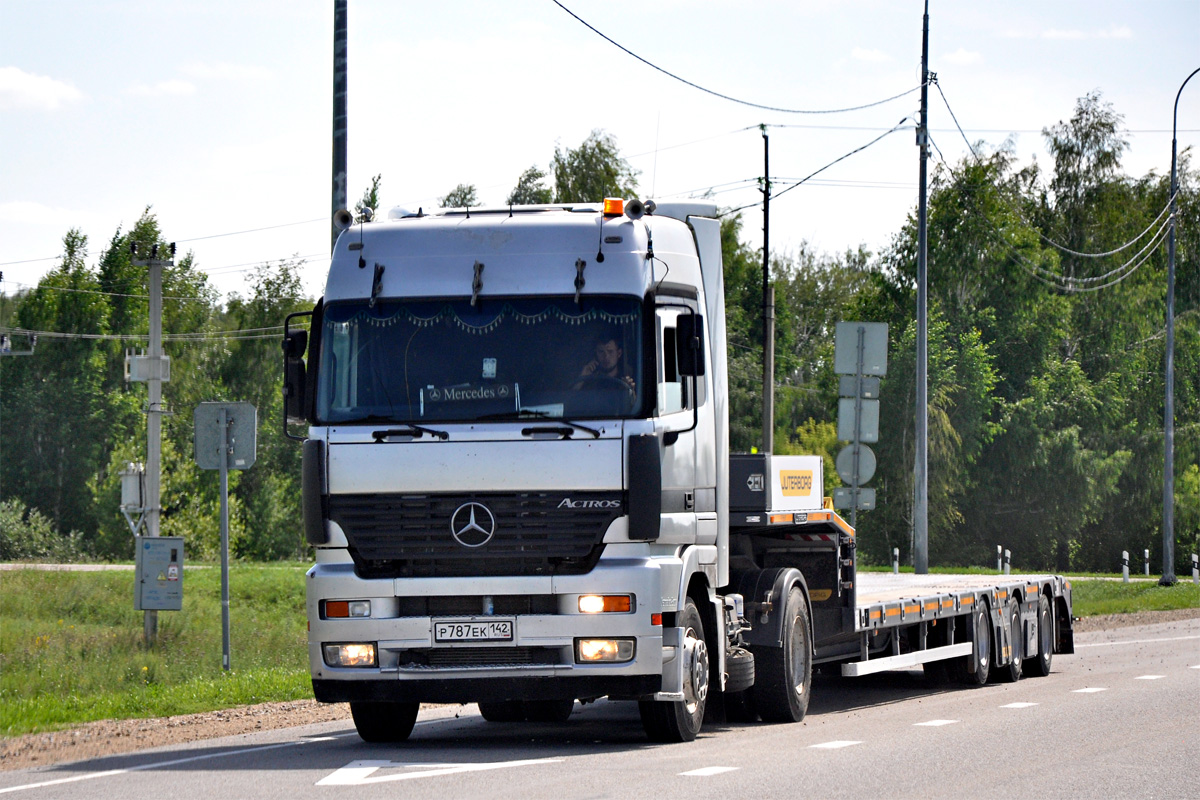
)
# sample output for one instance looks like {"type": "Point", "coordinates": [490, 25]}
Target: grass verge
{"type": "Point", "coordinates": [1092, 597]}
{"type": "Point", "coordinates": [71, 646]}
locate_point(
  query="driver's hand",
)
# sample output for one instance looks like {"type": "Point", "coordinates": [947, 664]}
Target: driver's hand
{"type": "Point", "coordinates": [632, 385]}
{"type": "Point", "coordinates": [589, 367]}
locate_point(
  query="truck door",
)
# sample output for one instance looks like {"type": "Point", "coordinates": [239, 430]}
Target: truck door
{"type": "Point", "coordinates": [675, 419]}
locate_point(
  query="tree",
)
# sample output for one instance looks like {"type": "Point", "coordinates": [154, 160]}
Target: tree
{"type": "Point", "coordinates": [529, 189]}
{"type": "Point", "coordinates": [370, 200]}
{"type": "Point", "coordinates": [461, 196]}
{"type": "Point", "coordinates": [592, 171]}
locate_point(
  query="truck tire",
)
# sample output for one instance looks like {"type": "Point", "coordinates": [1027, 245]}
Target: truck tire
{"type": "Point", "coordinates": [548, 710]}
{"type": "Point", "coordinates": [783, 679]}
{"type": "Point", "coordinates": [502, 710]}
{"type": "Point", "coordinates": [1039, 665]}
{"type": "Point", "coordinates": [384, 722]}
{"type": "Point", "coordinates": [1011, 672]}
{"type": "Point", "coordinates": [981, 627]}
{"type": "Point", "coordinates": [680, 720]}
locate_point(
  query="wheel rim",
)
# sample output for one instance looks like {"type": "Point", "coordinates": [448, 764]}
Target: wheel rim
{"type": "Point", "coordinates": [695, 687]}
{"type": "Point", "coordinates": [985, 644]}
{"type": "Point", "coordinates": [1045, 633]}
{"type": "Point", "coordinates": [798, 657]}
{"type": "Point", "coordinates": [1017, 641]}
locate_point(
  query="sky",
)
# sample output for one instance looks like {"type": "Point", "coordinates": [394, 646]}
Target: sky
{"type": "Point", "coordinates": [217, 114]}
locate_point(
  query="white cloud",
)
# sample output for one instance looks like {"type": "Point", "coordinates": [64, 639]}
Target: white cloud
{"type": "Point", "coordinates": [1112, 32]}
{"type": "Point", "coordinates": [28, 212]}
{"type": "Point", "coordinates": [225, 71]}
{"type": "Point", "coordinates": [961, 57]}
{"type": "Point", "coordinates": [21, 89]}
{"type": "Point", "coordinates": [876, 56]}
{"type": "Point", "coordinates": [162, 89]}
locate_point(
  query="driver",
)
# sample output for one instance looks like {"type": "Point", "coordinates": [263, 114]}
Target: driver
{"type": "Point", "coordinates": [607, 362]}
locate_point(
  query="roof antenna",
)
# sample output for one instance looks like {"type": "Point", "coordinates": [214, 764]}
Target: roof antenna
{"type": "Point", "coordinates": [600, 244]}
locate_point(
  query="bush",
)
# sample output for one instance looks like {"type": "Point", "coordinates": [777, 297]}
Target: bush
{"type": "Point", "coordinates": [27, 535]}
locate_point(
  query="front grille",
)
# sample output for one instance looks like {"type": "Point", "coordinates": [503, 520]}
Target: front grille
{"type": "Point", "coordinates": [503, 604]}
{"type": "Point", "coordinates": [480, 657]}
{"type": "Point", "coordinates": [536, 533]}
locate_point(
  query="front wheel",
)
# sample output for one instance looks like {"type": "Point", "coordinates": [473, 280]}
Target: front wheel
{"type": "Point", "coordinates": [783, 679]}
{"type": "Point", "coordinates": [680, 720]}
{"type": "Point", "coordinates": [384, 722]}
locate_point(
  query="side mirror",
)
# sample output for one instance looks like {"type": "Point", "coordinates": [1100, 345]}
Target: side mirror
{"type": "Point", "coordinates": [294, 374]}
{"type": "Point", "coordinates": [689, 344]}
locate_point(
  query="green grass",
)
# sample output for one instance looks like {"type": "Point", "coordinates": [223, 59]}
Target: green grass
{"type": "Point", "coordinates": [71, 646]}
{"type": "Point", "coordinates": [1092, 597]}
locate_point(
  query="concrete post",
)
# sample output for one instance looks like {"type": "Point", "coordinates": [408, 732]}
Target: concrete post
{"type": "Point", "coordinates": [1125, 565]}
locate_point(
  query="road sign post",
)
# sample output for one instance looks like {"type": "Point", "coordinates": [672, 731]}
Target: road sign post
{"type": "Point", "coordinates": [225, 438]}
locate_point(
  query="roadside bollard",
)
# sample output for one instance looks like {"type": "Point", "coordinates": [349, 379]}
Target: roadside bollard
{"type": "Point", "coordinates": [895, 560]}
{"type": "Point", "coordinates": [999, 558]}
{"type": "Point", "coordinates": [1007, 562]}
{"type": "Point", "coordinates": [1196, 569]}
{"type": "Point", "coordinates": [1125, 565]}
{"type": "Point", "coordinates": [1147, 562]}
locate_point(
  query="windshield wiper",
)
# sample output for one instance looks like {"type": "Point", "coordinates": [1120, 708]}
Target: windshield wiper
{"type": "Point", "coordinates": [525, 413]}
{"type": "Point", "coordinates": [405, 429]}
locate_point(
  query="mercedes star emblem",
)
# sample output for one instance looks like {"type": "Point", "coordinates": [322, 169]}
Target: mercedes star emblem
{"type": "Point", "coordinates": [472, 525]}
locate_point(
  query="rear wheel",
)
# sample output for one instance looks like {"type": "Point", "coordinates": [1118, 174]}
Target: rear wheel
{"type": "Point", "coordinates": [1011, 672]}
{"type": "Point", "coordinates": [1039, 665]}
{"type": "Point", "coordinates": [548, 710]}
{"type": "Point", "coordinates": [502, 710]}
{"type": "Point", "coordinates": [783, 678]}
{"type": "Point", "coordinates": [384, 722]}
{"type": "Point", "coordinates": [981, 658]}
{"type": "Point", "coordinates": [680, 720]}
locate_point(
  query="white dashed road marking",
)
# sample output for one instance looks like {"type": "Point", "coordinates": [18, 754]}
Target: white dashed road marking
{"type": "Point", "coordinates": [704, 772]}
{"type": "Point", "coordinates": [1090, 690]}
{"type": "Point", "coordinates": [360, 773]}
{"type": "Point", "coordinates": [935, 723]}
{"type": "Point", "coordinates": [1019, 705]}
{"type": "Point", "coordinates": [1149, 677]}
{"type": "Point", "coordinates": [834, 745]}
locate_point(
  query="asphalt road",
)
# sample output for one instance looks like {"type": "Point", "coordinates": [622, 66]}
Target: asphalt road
{"type": "Point", "coordinates": [1120, 718]}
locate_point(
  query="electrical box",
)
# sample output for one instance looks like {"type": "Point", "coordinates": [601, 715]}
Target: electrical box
{"type": "Point", "coordinates": [158, 573]}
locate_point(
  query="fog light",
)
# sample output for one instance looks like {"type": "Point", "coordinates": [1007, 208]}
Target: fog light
{"type": "Point", "coordinates": [350, 655]}
{"type": "Point", "coordinates": [598, 603]}
{"type": "Point", "coordinates": [603, 650]}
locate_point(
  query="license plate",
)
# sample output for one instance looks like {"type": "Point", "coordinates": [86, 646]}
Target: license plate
{"type": "Point", "coordinates": [477, 629]}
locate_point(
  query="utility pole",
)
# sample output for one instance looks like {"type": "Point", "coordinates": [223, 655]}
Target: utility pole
{"type": "Point", "coordinates": [921, 467]}
{"type": "Point", "coordinates": [1168, 575]}
{"type": "Point", "coordinates": [339, 115]}
{"type": "Point", "coordinates": [157, 371]}
{"type": "Point", "coordinates": [768, 421]}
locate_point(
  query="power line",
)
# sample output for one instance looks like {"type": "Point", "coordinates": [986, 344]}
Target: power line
{"type": "Point", "coordinates": [1042, 236]}
{"type": "Point", "coordinates": [725, 96]}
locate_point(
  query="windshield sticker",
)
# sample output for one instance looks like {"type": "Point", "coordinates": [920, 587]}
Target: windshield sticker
{"type": "Point", "coordinates": [489, 368]}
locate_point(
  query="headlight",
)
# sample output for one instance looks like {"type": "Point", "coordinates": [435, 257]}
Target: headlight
{"type": "Point", "coordinates": [350, 655]}
{"type": "Point", "coordinates": [589, 651]}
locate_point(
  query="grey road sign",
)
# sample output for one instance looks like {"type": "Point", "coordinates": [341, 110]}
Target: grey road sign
{"type": "Point", "coordinates": [866, 464]}
{"type": "Point", "coordinates": [843, 497]}
{"type": "Point", "coordinates": [848, 387]}
{"type": "Point", "coordinates": [868, 422]}
{"type": "Point", "coordinates": [242, 420]}
{"type": "Point", "coordinates": [874, 356]}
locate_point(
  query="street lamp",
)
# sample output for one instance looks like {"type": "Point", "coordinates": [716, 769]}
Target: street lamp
{"type": "Point", "coordinates": [1168, 576]}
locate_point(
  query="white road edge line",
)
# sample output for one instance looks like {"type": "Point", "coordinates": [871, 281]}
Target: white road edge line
{"type": "Point", "coordinates": [1138, 641]}
{"type": "Point", "coordinates": [834, 745]}
{"type": "Point", "coordinates": [705, 772]}
{"type": "Point", "coordinates": [360, 773]}
{"type": "Point", "coordinates": [157, 764]}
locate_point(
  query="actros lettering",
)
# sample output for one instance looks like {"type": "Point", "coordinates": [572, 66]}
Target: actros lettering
{"type": "Point", "coordinates": [569, 503]}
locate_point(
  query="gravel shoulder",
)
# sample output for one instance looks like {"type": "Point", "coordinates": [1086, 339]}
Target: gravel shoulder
{"type": "Point", "coordinates": [112, 737]}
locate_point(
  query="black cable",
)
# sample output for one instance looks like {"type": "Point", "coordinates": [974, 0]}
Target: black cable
{"type": "Point", "coordinates": [725, 96]}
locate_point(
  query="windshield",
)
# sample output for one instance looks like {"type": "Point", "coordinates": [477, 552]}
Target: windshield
{"type": "Point", "coordinates": [446, 360]}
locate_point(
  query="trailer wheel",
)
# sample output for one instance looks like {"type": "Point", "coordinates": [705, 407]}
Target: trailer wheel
{"type": "Point", "coordinates": [384, 722]}
{"type": "Point", "coordinates": [1039, 665]}
{"type": "Point", "coordinates": [548, 710]}
{"type": "Point", "coordinates": [1011, 672]}
{"type": "Point", "coordinates": [783, 679]}
{"type": "Point", "coordinates": [680, 720]}
{"type": "Point", "coordinates": [502, 710]}
{"type": "Point", "coordinates": [981, 626]}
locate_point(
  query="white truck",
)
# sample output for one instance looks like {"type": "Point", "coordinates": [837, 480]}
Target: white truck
{"type": "Point", "coordinates": [517, 481]}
